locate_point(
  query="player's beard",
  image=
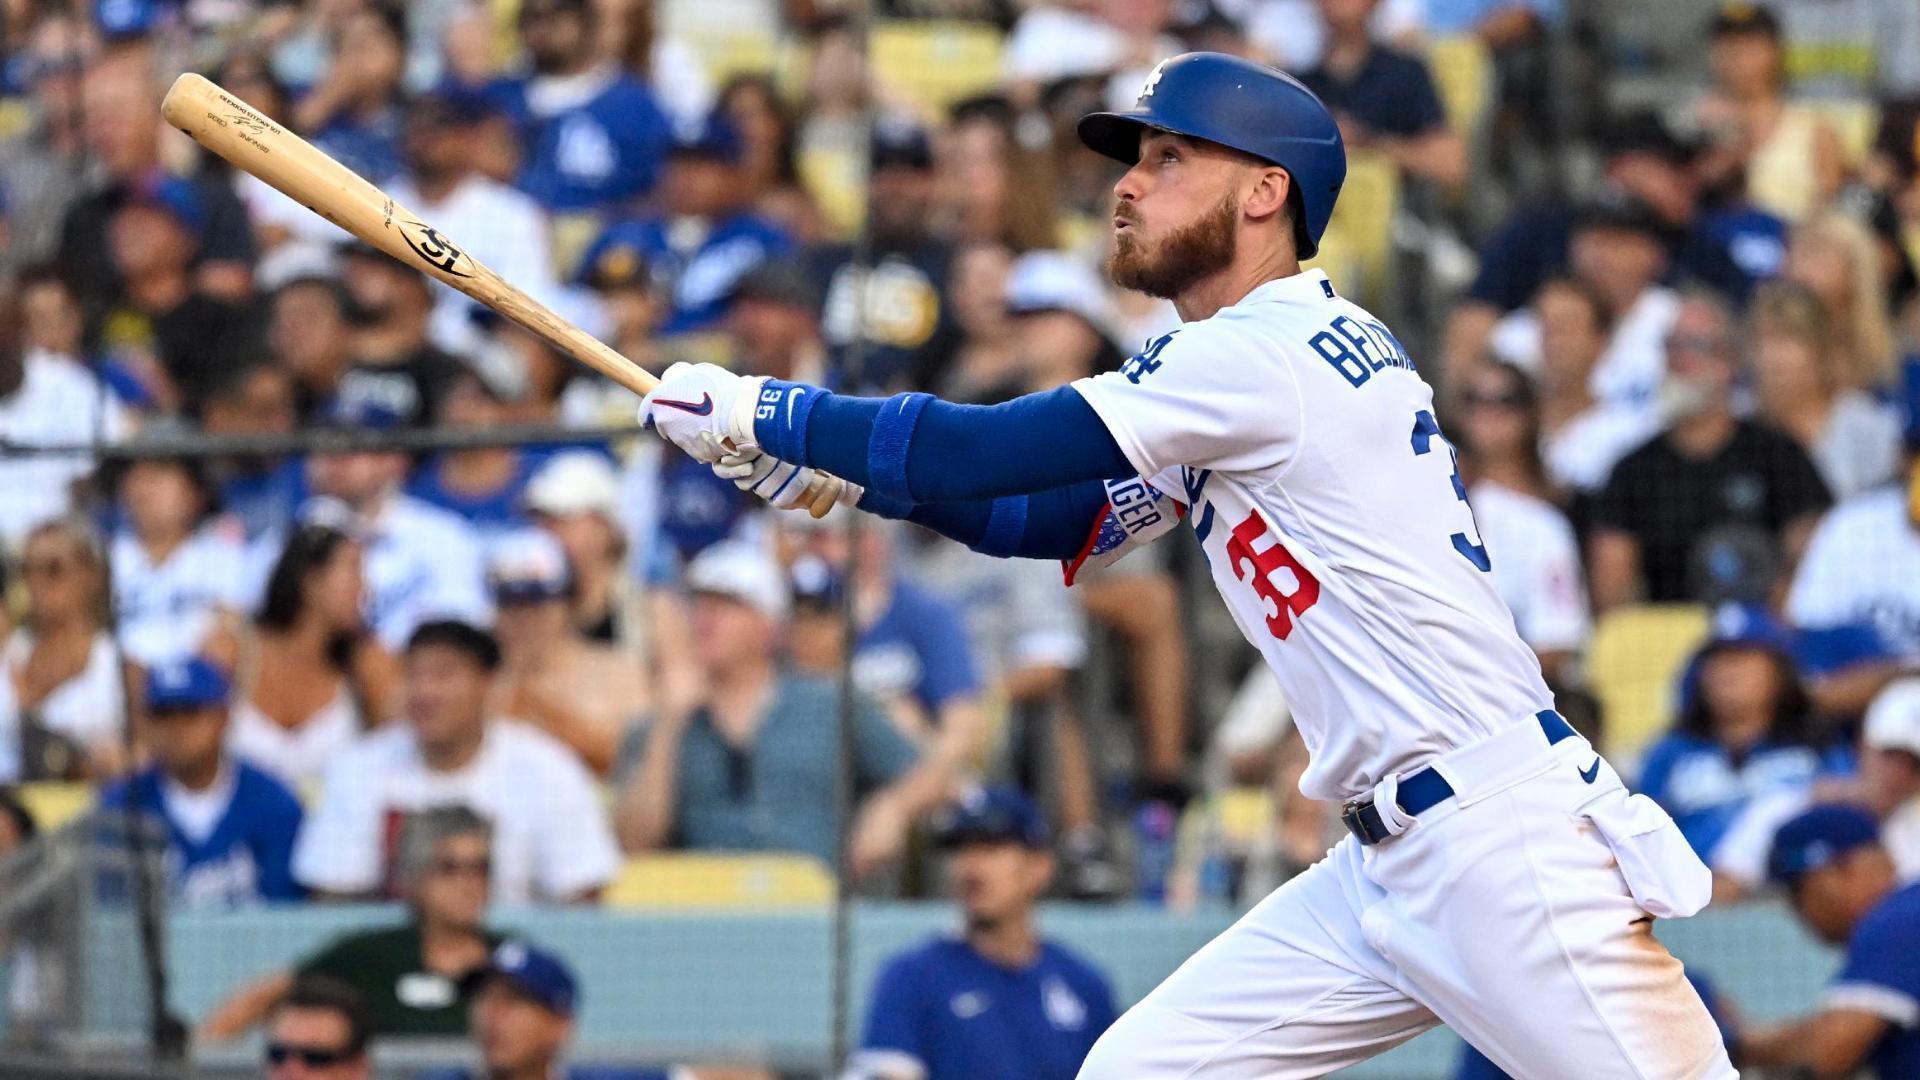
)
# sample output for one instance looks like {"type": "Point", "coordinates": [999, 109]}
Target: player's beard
{"type": "Point", "coordinates": [1189, 254]}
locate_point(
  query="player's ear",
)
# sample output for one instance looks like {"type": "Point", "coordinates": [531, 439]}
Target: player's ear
{"type": "Point", "coordinates": [1267, 195]}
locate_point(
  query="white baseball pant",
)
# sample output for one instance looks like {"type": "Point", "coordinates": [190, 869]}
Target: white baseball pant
{"type": "Point", "coordinates": [1515, 912]}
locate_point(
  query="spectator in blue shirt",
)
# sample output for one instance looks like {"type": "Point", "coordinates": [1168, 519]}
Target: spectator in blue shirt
{"type": "Point", "coordinates": [354, 113]}
{"type": "Point", "coordinates": [484, 485]}
{"type": "Point", "coordinates": [706, 237]}
{"type": "Point", "coordinates": [1745, 731]}
{"type": "Point", "coordinates": [998, 1000]}
{"type": "Point", "coordinates": [1843, 887]}
{"type": "Point", "coordinates": [230, 827]}
{"type": "Point", "coordinates": [594, 135]}
{"type": "Point", "coordinates": [1384, 99]}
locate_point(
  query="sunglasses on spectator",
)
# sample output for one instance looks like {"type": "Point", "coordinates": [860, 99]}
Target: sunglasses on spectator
{"type": "Point", "coordinates": [465, 867]}
{"type": "Point", "coordinates": [313, 1057]}
{"type": "Point", "coordinates": [1473, 399]}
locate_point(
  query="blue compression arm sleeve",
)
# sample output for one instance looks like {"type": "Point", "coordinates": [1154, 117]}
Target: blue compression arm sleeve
{"type": "Point", "coordinates": [1046, 525]}
{"type": "Point", "coordinates": [914, 448]}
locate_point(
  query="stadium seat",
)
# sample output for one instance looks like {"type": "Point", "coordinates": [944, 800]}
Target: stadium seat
{"type": "Point", "coordinates": [54, 804]}
{"type": "Point", "coordinates": [1633, 663]}
{"type": "Point", "coordinates": [1463, 74]}
{"type": "Point", "coordinates": [709, 881]}
{"type": "Point", "coordinates": [932, 64]}
{"type": "Point", "coordinates": [1357, 249]}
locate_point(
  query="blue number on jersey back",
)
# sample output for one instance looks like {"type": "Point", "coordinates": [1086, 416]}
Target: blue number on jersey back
{"type": "Point", "coordinates": [1425, 430]}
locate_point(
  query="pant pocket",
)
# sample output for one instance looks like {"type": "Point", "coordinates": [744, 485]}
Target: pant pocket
{"type": "Point", "coordinates": [1666, 878]}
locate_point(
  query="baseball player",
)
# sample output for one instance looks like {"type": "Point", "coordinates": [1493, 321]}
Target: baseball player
{"type": "Point", "coordinates": [1498, 878]}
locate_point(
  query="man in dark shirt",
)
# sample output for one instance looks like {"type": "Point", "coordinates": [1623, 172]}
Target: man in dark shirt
{"type": "Point", "coordinates": [1708, 487]}
{"type": "Point", "coordinates": [412, 975]}
{"type": "Point", "coordinates": [394, 366]}
{"type": "Point", "coordinates": [1384, 99]}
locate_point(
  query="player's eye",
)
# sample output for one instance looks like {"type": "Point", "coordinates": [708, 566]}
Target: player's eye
{"type": "Point", "coordinates": [1169, 156]}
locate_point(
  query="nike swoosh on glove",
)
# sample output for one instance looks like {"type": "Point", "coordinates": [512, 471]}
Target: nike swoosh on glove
{"type": "Point", "coordinates": [785, 486]}
{"type": "Point", "coordinates": [703, 409]}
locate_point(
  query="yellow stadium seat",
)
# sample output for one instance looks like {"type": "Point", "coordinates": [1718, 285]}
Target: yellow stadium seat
{"type": "Point", "coordinates": [54, 804]}
{"type": "Point", "coordinates": [1633, 664]}
{"type": "Point", "coordinates": [1246, 814]}
{"type": "Point", "coordinates": [1357, 248]}
{"type": "Point", "coordinates": [709, 881]}
{"type": "Point", "coordinates": [932, 64]}
{"type": "Point", "coordinates": [833, 177]}
{"type": "Point", "coordinates": [1463, 74]}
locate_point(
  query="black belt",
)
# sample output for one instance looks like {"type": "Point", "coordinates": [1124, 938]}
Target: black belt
{"type": "Point", "coordinates": [1426, 789]}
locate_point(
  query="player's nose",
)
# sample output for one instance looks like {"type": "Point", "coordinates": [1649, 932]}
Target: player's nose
{"type": "Point", "coordinates": [1130, 186]}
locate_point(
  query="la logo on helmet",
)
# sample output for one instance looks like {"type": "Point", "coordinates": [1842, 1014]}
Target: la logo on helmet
{"type": "Point", "coordinates": [1153, 80]}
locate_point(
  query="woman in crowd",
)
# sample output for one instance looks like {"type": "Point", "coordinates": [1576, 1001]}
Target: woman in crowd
{"type": "Point", "coordinates": [1782, 152]}
{"type": "Point", "coordinates": [311, 677]}
{"type": "Point", "coordinates": [176, 591]}
{"type": "Point", "coordinates": [752, 103]}
{"type": "Point", "coordinates": [1745, 739]}
{"type": "Point", "coordinates": [1838, 260]}
{"type": "Point", "coordinates": [1804, 390]}
{"type": "Point", "coordinates": [1538, 570]}
{"type": "Point", "coordinates": [62, 697]}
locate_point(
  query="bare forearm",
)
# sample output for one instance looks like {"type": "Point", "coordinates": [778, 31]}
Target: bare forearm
{"type": "Point", "coordinates": [243, 1010]}
{"type": "Point", "coordinates": [643, 816]}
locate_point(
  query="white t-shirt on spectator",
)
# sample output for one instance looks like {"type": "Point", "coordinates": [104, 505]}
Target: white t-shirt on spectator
{"type": "Point", "coordinates": [167, 610]}
{"type": "Point", "coordinates": [1536, 566]}
{"type": "Point", "coordinates": [1292, 34]}
{"type": "Point", "coordinates": [1900, 833]}
{"type": "Point", "coordinates": [1581, 455]}
{"type": "Point", "coordinates": [88, 708]}
{"type": "Point", "coordinates": [551, 836]}
{"type": "Point", "coordinates": [1859, 447]}
{"type": "Point", "coordinates": [58, 401]}
{"type": "Point", "coordinates": [1862, 566]}
{"type": "Point", "coordinates": [1630, 369]}
{"type": "Point", "coordinates": [504, 230]}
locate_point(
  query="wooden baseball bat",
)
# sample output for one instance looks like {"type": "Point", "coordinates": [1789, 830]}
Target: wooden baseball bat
{"type": "Point", "coordinates": [241, 134]}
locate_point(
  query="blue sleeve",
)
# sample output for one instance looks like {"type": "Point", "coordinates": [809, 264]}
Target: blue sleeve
{"type": "Point", "coordinates": [1100, 1009]}
{"type": "Point", "coordinates": [275, 849]}
{"type": "Point", "coordinates": [1657, 770]}
{"type": "Point", "coordinates": [1830, 650]}
{"type": "Point", "coordinates": [1881, 954]}
{"type": "Point", "coordinates": [1047, 525]}
{"type": "Point", "coordinates": [896, 1019]}
{"type": "Point", "coordinates": [914, 448]}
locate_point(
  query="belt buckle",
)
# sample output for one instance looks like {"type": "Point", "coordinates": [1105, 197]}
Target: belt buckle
{"type": "Point", "coordinates": [1362, 819]}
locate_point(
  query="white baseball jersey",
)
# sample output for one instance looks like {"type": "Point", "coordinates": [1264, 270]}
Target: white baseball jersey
{"type": "Point", "coordinates": [168, 609]}
{"type": "Point", "coordinates": [1862, 567]}
{"type": "Point", "coordinates": [1301, 445]}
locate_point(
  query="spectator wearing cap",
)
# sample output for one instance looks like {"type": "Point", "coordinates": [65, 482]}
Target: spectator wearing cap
{"type": "Point", "coordinates": [551, 840]}
{"type": "Point", "coordinates": [773, 322]}
{"type": "Point", "coordinates": [176, 591]}
{"type": "Point", "coordinates": [1711, 485]}
{"type": "Point", "coordinates": [897, 305]}
{"type": "Point", "coordinates": [194, 336]}
{"type": "Point", "coordinates": [62, 698]}
{"type": "Point", "coordinates": [749, 765]}
{"type": "Point", "coordinates": [501, 228]}
{"type": "Point", "coordinates": [615, 270]}
{"type": "Point", "coordinates": [1745, 736]}
{"type": "Point", "coordinates": [412, 975]}
{"type": "Point", "coordinates": [1062, 319]}
{"type": "Point", "coordinates": [1781, 152]}
{"type": "Point", "coordinates": [705, 236]}
{"type": "Point", "coordinates": [1856, 594]}
{"type": "Point", "coordinates": [421, 562]}
{"type": "Point", "coordinates": [353, 113]}
{"type": "Point", "coordinates": [320, 1031]}
{"type": "Point", "coordinates": [485, 486]}
{"type": "Point", "coordinates": [45, 399]}
{"type": "Point", "coordinates": [581, 692]}
{"type": "Point", "coordinates": [1843, 888]}
{"type": "Point", "coordinates": [1890, 771]}
{"type": "Point", "coordinates": [121, 130]}
{"type": "Point", "coordinates": [311, 674]}
{"type": "Point", "coordinates": [575, 497]}
{"type": "Point", "coordinates": [1384, 99]}
{"type": "Point", "coordinates": [396, 368]}
{"type": "Point", "coordinates": [262, 492]}
{"type": "Point", "coordinates": [998, 999]}
{"type": "Point", "coordinates": [594, 135]}
{"type": "Point", "coordinates": [230, 827]}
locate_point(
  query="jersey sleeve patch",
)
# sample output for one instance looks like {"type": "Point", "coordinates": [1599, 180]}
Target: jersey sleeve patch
{"type": "Point", "coordinates": [1136, 514]}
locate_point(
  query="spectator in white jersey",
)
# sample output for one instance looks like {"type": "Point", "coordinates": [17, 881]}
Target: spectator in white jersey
{"type": "Point", "coordinates": [62, 702]}
{"type": "Point", "coordinates": [175, 560]}
{"type": "Point", "coordinates": [551, 837]}
{"type": "Point", "coordinates": [422, 562]}
{"type": "Point", "coordinates": [311, 676]}
{"type": "Point", "coordinates": [1890, 771]}
{"type": "Point", "coordinates": [1536, 561]}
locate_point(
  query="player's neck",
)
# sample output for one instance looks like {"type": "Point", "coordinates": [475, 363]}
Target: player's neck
{"type": "Point", "coordinates": [1249, 271]}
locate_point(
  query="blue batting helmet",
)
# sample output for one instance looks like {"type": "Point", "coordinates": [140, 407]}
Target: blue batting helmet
{"type": "Point", "coordinates": [1240, 104]}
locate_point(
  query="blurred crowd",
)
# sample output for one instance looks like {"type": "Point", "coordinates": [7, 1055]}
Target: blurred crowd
{"type": "Point", "coordinates": [1669, 307]}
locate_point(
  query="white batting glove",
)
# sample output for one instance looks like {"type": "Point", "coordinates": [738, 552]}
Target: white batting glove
{"type": "Point", "coordinates": [703, 409]}
{"type": "Point", "coordinates": [785, 486]}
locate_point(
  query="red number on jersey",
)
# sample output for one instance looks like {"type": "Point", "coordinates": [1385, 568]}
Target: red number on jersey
{"type": "Point", "coordinates": [1259, 574]}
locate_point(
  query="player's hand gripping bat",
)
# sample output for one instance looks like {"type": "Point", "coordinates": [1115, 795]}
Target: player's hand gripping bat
{"type": "Point", "coordinates": [241, 134]}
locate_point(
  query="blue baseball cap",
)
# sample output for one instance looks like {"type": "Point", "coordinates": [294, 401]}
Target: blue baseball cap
{"type": "Point", "coordinates": [712, 137]}
{"type": "Point", "coordinates": [192, 683]}
{"type": "Point", "coordinates": [1910, 399]}
{"type": "Point", "coordinates": [535, 974]}
{"type": "Point", "coordinates": [617, 258]}
{"type": "Point", "coordinates": [358, 406]}
{"type": "Point", "coordinates": [1817, 838]}
{"type": "Point", "coordinates": [990, 815]}
{"type": "Point", "coordinates": [174, 195]}
{"type": "Point", "coordinates": [122, 19]}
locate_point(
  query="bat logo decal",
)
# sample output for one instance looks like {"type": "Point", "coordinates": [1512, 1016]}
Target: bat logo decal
{"type": "Point", "coordinates": [249, 122]}
{"type": "Point", "coordinates": [437, 250]}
